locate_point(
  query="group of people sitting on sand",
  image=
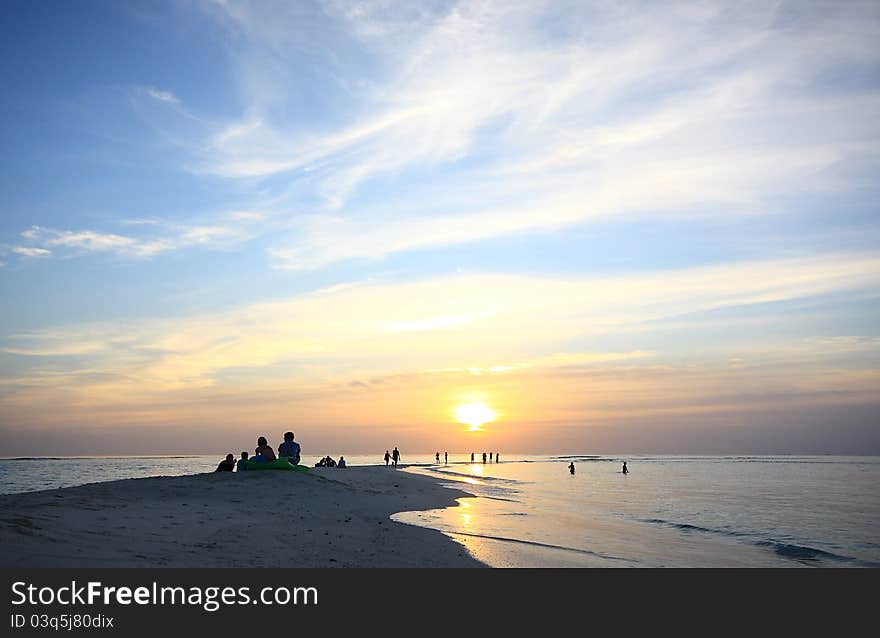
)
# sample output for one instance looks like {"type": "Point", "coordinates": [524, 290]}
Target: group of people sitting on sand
{"type": "Point", "coordinates": [263, 453]}
{"type": "Point", "coordinates": [328, 461]}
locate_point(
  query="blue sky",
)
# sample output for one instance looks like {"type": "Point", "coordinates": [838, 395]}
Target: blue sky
{"type": "Point", "coordinates": [218, 214]}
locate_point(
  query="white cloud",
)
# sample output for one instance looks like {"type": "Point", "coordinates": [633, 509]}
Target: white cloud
{"type": "Point", "coordinates": [28, 251]}
{"type": "Point", "coordinates": [90, 241]}
{"type": "Point", "coordinates": [85, 240]}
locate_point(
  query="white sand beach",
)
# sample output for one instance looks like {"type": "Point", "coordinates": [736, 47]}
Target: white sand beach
{"type": "Point", "coordinates": [326, 517]}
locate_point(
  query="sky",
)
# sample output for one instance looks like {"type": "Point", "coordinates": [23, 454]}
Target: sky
{"type": "Point", "coordinates": [620, 227]}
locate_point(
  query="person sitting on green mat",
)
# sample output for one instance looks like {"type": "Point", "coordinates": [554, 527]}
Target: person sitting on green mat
{"type": "Point", "coordinates": [263, 451]}
{"type": "Point", "coordinates": [289, 449]}
{"type": "Point", "coordinates": [241, 466]}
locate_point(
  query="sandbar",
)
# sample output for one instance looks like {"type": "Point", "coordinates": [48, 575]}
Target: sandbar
{"type": "Point", "coordinates": [327, 517]}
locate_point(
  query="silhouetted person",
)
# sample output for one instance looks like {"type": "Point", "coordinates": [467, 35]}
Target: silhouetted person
{"type": "Point", "coordinates": [227, 464]}
{"type": "Point", "coordinates": [437, 457]}
{"type": "Point", "coordinates": [387, 457]}
{"type": "Point", "coordinates": [263, 452]}
{"type": "Point", "coordinates": [341, 462]}
{"type": "Point", "coordinates": [395, 456]}
{"type": "Point", "coordinates": [571, 467]}
{"type": "Point", "coordinates": [490, 455]}
{"type": "Point", "coordinates": [497, 457]}
{"type": "Point", "coordinates": [241, 466]}
{"type": "Point", "coordinates": [289, 448]}
{"type": "Point", "coordinates": [484, 457]}
{"type": "Point", "coordinates": [446, 458]}
{"type": "Point", "coordinates": [625, 471]}
{"type": "Point", "coordinates": [472, 457]}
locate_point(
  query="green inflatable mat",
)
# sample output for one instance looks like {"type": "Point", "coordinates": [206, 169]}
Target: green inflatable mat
{"type": "Point", "coordinates": [279, 464]}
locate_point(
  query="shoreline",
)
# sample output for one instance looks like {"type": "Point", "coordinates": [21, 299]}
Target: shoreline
{"type": "Point", "coordinates": [327, 517]}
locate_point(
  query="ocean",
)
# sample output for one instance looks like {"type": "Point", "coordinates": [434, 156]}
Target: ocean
{"type": "Point", "coordinates": [732, 511]}
{"type": "Point", "coordinates": [669, 511]}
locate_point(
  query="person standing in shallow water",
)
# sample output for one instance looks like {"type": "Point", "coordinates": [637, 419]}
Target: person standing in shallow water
{"type": "Point", "coordinates": [446, 458]}
{"type": "Point", "coordinates": [437, 457]}
{"type": "Point", "coordinates": [571, 467]}
{"type": "Point", "coordinates": [624, 470]}
{"type": "Point", "coordinates": [484, 457]}
{"type": "Point", "coordinates": [472, 457]}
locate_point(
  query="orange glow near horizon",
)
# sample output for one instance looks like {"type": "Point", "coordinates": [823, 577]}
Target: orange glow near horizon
{"type": "Point", "coordinates": [475, 415]}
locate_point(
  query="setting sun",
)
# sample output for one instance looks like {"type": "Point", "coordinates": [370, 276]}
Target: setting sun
{"type": "Point", "coordinates": [475, 415]}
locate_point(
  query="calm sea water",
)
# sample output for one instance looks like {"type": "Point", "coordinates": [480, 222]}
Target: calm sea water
{"type": "Point", "coordinates": [668, 511]}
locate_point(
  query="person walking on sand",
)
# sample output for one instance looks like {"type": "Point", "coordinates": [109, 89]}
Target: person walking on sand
{"type": "Point", "coordinates": [571, 467]}
{"type": "Point", "coordinates": [387, 457]}
{"type": "Point", "coordinates": [624, 470]}
{"type": "Point", "coordinates": [395, 456]}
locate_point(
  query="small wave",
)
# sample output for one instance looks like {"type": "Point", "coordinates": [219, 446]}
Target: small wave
{"type": "Point", "coordinates": [689, 528]}
{"type": "Point", "coordinates": [791, 551]}
{"type": "Point", "coordinates": [499, 498]}
{"type": "Point", "coordinates": [802, 553]}
{"type": "Point", "coordinates": [576, 550]}
{"type": "Point", "coordinates": [486, 479]}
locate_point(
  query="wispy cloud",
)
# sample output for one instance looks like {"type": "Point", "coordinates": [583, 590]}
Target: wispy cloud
{"type": "Point", "coordinates": [176, 237]}
{"type": "Point", "coordinates": [479, 320]}
{"type": "Point", "coordinates": [28, 251]}
{"type": "Point", "coordinates": [86, 240]}
{"type": "Point", "coordinates": [140, 222]}
{"type": "Point", "coordinates": [561, 353]}
{"type": "Point", "coordinates": [247, 215]}
{"type": "Point", "coordinates": [622, 111]}
{"type": "Point", "coordinates": [162, 96]}
{"type": "Point", "coordinates": [424, 127]}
